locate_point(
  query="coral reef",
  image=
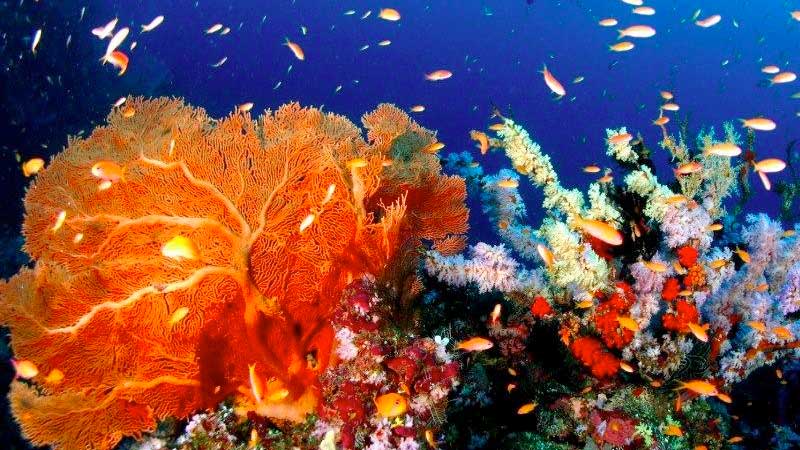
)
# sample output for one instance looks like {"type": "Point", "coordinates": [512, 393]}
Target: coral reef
{"type": "Point", "coordinates": [180, 260]}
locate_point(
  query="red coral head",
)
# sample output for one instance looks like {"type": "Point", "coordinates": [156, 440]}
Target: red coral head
{"type": "Point", "coordinates": [687, 255]}
{"type": "Point", "coordinates": [671, 289]}
{"type": "Point", "coordinates": [540, 307]}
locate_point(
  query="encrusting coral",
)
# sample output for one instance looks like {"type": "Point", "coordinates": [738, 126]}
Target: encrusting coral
{"type": "Point", "coordinates": [277, 215]}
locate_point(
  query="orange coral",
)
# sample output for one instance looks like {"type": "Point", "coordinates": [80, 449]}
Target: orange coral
{"type": "Point", "coordinates": [97, 304]}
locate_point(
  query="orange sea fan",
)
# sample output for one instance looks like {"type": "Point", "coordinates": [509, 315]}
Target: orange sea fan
{"type": "Point", "coordinates": [97, 304]}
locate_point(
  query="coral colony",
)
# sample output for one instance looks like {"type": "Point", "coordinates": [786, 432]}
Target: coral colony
{"type": "Point", "coordinates": [283, 282]}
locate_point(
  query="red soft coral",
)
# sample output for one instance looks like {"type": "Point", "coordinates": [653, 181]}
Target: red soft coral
{"type": "Point", "coordinates": [591, 353]}
{"type": "Point", "coordinates": [687, 255]}
{"type": "Point", "coordinates": [540, 307]}
{"type": "Point", "coordinates": [685, 314]}
{"type": "Point", "coordinates": [671, 289]}
{"type": "Point", "coordinates": [605, 318]}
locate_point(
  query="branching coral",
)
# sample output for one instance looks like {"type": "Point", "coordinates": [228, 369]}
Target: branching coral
{"type": "Point", "coordinates": [280, 213]}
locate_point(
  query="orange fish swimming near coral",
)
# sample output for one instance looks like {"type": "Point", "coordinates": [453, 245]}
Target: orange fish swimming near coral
{"type": "Point", "coordinates": [475, 344]}
{"type": "Point", "coordinates": [391, 405]}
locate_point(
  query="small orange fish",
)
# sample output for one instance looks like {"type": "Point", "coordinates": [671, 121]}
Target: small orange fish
{"type": "Point", "coordinates": [550, 80]}
{"type": "Point", "coordinates": [417, 108]}
{"type": "Point", "coordinates": [644, 11]}
{"type": "Point", "coordinates": [764, 180]}
{"type": "Point", "coordinates": [666, 95]}
{"type": "Point", "coordinates": [676, 199]}
{"type": "Point", "coordinates": [783, 77]}
{"type": "Point", "coordinates": [743, 255]}
{"type": "Point", "coordinates": [385, 42]}
{"type": "Point", "coordinates": [475, 344]}
{"type": "Point", "coordinates": [608, 22]}
{"type": "Point", "coordinates": [626, 367]}
{"type": "Point", "coordinates": [599, 230]}
{"type": "Point", "coordinates": [391, 405]}
{"type": "Point", "coordinates": [656, 384]}
{"type": "Point", "coordinates": [511, 387]}
{"type": "Point", "coordinates": [637, 31]}
{"type": "Point", "coordinates": [482, 140]}
{"type": "Point", "coordinates": [679, 269]}
{"type": "Point", "coordinates": [389, 14]}
{"type": "Point", "coordinates": [688, 168]}
{"type": "Point", "coordinates": [430, 438]}
{"type": "Point", "coordinates": [357, 163]}
{"type": "Point", "coordinates": [256, 384]}
{"type": "Point", "coordinates": [60, 218]}
{"type": "Point", "coordinates": [432, 148]}
{"type": "Point", "coordinates": [512, 372]}
{"type": "Point", "coordinates": [782, 333]}
{"type": "Point", "coordinates": [714, 227]}
{"type": "Point", "coordinates": [708, 22]}
{"type": "Point", "coordinates": [508, 183]}
{"type": "Point", "coordinates": [718, 263]}
{"type": "Point", "coordinates": [685, 293]}
{"type": "Point", "coordinates": [178, 315]}
{"type": "Point", "coordinates": [496, 126]}
{"type": "Point", "coordinates": [700, 387]}
{"type": "Point", "coordinates": [670, 107]}
{"type": "Point", "coordinates": [307, 221]}
{"type": "Point", "coordinates": [622, 138]}
{"type": "Point", "coordinates": [32, 166]}
{"type": "Point", "coordinates": [128, 112]}
{"type": "Point", "coordinates": [526, 408]}
{"type": "Point", "coordinates": [54, 377]}
{"type": "Point", "coordinates": [592, 168]}
{"type": "Point", "coordinates": [759, 124]}
{"type": "Point", "coordinates": [655, 266]}
{"type": "Point", "coordinates": [673, 430]}
{"type": "Point", "coordinates": [25, 369]}
{"type": "Point", "coordinates": [546, 254]}
{"type": "Point", "coordinates": [297, 51]}
{"type": "Point", "coordinates": [108, 171]}
{"type": "Point", "coordinates": [788, 233]}
{"type": "Point", "coordinates": [758, 326]}
{"type": "Point", "coordinates": [723, 149]}
{"type": "Point", "coordinates": [623, 46]}
{"type": "Point", "coordinates": [494, 317]}
{"type": "Point", "coordinates": [779, 373]}
{"type": "Point", "coordinates": [179, 247]}
{"type": "Point", "coordinates": [605, 179]}
{"type": "Point", "coordinates": [735, 439]}
{"type": "Point", "coordinates": [769, 165]}
{"type": "Point", "coordinates": [661, 121]}
{"type": "Point", "coordinates": [438, 75]}
{"type": "Point", "coordinates": [725, 398]}
{"type": "Point", "coordinates": [628, 323]}
{"type": "Point", "coordinates": [245, 107]}
{"type": "Point", "coordinates": [119, 60]}
{"type": "Point", "coordinates": [699, 331]}
{"type": "Point", "coordinates": [771, 69]}
{"type": "Point", "coordinates": [584, 304]}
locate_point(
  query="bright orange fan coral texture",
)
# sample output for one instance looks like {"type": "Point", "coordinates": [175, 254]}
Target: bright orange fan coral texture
{"type": "Point", "coordinates": [100, 304]}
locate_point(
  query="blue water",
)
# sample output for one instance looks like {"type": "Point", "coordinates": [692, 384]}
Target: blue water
{"type": "Point", "coordinates": [495, 50]}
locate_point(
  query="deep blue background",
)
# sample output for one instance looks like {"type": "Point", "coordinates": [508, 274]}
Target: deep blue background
{"type": "Point", "coordinates": [494, 58]}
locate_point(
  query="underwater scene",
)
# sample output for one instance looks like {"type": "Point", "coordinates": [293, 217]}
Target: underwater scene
{"type": "Point", "coordinates": [400, 225]}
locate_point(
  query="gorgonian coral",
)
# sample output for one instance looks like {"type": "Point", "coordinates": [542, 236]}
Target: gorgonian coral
{"type": "Point", "coordinates": [280, 213]}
